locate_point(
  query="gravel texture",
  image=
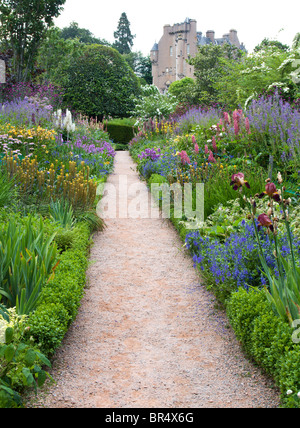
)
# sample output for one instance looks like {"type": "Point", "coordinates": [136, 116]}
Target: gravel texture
{"type": "Point", "coordinates": [148, 334]}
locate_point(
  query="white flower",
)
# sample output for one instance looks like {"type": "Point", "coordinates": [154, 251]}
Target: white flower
{"type": "Point", "coordinates": [289, 392]}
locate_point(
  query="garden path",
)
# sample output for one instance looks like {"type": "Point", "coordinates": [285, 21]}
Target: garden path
{"type": "Point", "coordinates": [148, 334]}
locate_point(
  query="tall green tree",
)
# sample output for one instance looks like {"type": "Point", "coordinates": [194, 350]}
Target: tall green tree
{"type": "Point", "coordinates": [24, 24]}
{"type": "Point", "coordinates": [123, 37]}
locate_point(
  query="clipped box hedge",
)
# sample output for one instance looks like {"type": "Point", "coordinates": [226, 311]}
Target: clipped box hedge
{"type": "Point", "coordinates": [268, 340]}
{"type": "Point", "coordinates": [120, 133]}
{"type": "Point", "coordinates": [60, 298]}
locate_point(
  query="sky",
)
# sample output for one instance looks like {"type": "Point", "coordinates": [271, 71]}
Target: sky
{"type": "Point", "coordinates": [254, 20]}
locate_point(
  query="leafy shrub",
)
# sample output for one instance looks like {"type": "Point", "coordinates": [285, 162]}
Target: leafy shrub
{"type": "Point", "coordinates": [21, 362]}
{"type": "Point", "coordinates": [48, 325]}
{"type": "Point", "coordinates": [120, 133]}
{"type": "Point", "coordinates": [106, 80]}
{"type": "Point", "coordinates": [268, 340]}
{"type": "Point", "coordinates": [60, 298]}
{"type": "Point", "coordinates": [242, 309]}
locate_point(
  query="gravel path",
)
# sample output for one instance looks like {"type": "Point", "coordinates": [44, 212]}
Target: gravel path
{"type": "Point", "coordinates": [148, 334]}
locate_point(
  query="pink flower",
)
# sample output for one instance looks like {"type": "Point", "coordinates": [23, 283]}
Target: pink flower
{"type": "Point", "coordinates": [211, 157]}
{"type": "Point", "coordinates": [196, 148]}
{"type": "Point", "coordinates": [184, 157]}
{"type": "Point", "coordinates": [206, 149]}
{"type": "Point", "coordinates": [193, 139]}
{"type": "Point", "coordinates": [236, 127]}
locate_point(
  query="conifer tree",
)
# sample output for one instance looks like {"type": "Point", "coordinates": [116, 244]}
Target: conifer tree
{"type": "Point", "coordinates": [123, 37]}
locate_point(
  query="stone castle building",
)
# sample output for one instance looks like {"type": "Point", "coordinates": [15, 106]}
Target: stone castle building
{"type": "Point", "coordinates": [178, 43]}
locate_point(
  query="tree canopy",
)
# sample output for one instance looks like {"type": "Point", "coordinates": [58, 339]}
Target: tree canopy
{"type": "Point", "coordinates": [24, 24]}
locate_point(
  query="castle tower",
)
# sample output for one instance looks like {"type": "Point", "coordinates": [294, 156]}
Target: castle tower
{"type": "Point", "coordinates": [178, 43]}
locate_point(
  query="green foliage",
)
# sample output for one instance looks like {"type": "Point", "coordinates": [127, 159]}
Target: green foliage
{"type": "Point", "coordinates": [60, 297]}
{"type": "Point", "coordinates": [242, 309]}
{"type": "Point", "coordinates": [55, 55]}
{"type": "Point", "coordinates": [82, 34]}
{"type": "Point", "coordinates": [61, 212]}
{"type": "Point", "coordinates": [123, 37]}
{"type": "Point", "coordinates": [268, 67]}
{"type": "Point", "coordinates": [152, 104]}
{"type": "Point", "coordinates": [23, 26]}
{"type": "Point", "coordinates": [105, 78]}
{"type": "Point", "coordinates": [268, 340]}
{"type": "Point", "coordinates": [27, 260]}
{"type": "Point", "coordinates": [208, 69]}
{"type": "Point", "coordinates": [21, 363]}
{"type": "Point", "coordinates": [8, 192]}
{"type": "Point", "coordinates": [120, 133]}
{"type": "Point", "coordinates": [184, 90]}
{"type": "Point", "coordinates": [141, 66]}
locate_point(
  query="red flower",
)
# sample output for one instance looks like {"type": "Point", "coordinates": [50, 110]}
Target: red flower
{"type": "Point", "coordinates": [238, 180]}
{"type": "Point", "coordinates": [265, 221]}
{"type": "Point", "coordinates": [271, 191]}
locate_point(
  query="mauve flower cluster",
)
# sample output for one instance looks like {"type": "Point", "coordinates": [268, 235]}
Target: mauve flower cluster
{"type": "Point", "coordinates": [277, 118]}
{"type": "Point", "coordinates": [27, 111]}
{"type": "Point", "coordinates": [84, 143]}
{"type": "Point", "coordinates": [151, 154]}
{"type": "Point", "coordinates": [198, 116]}
{"type": "Point", "coordinates": [235, 263]}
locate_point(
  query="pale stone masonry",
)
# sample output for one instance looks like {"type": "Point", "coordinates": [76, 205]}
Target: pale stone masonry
{"type": "Point", "coordinates": [178, 43]}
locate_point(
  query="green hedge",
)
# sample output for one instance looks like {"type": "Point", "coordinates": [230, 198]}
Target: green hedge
{"type": "Point", "coordinates": [268, 340]}
{"type": "Point", "coordinates": [120, 133]}
{"type": "Point", "coordinates": [61, 297]}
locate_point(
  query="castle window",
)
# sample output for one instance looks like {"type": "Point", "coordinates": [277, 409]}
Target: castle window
{"type": "Point", "coordinates": [188, 49]}
{"type": "Point", "coordinates": [171, 50]}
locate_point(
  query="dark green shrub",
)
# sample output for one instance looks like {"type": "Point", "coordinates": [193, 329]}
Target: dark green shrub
{"type": "Point", "coordinates": [100, 82]}
{"type": "Point", "coordinates": [48, 326]}
{"type": "Point", "coordinates": [265, 328]}
{"type": "Point", "coordinates": [119, 133]}
{"type": "Point", "coordinates": [289, 378]}
{"type": "Point", "coordinates": [281, 345]}
{"type": "Point", "coordinates": [60, 298]}
{"type": "Point", "coordinates": [64, 240]}
{"type": "Point", "coordinates": [242, 309]}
